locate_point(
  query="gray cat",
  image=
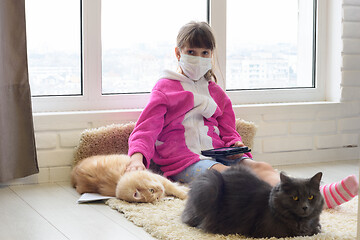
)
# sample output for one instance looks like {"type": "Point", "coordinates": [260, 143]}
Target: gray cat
{"type": "Point", "coordinates": [236, 201]}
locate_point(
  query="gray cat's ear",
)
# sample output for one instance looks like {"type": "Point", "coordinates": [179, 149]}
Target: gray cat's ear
{"type": "Point", "coordinates": [286, 182]}
{"type": "Point", "coordinates": [316, 179]}
{"type": "Point", "coordinates": [284, 178]}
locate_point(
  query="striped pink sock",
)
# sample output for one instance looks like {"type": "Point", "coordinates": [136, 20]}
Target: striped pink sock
{"type": "Point", "coordinates": [336, 194]}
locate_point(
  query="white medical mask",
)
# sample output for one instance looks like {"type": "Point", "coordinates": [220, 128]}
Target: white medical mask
{"type": "Point", "coordinates": [194, 67]}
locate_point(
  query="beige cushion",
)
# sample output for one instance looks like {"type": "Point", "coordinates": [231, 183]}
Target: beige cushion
{"type": "Point", "coordinates": [114, 139]}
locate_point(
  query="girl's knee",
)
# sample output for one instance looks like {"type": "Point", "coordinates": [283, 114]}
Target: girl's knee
{"type": "Point", "coordinates": [219, 167]}
{"type": "Point", "coordinates": [266, 166]}
{"type": "Point", "coordinates": [262, 167]}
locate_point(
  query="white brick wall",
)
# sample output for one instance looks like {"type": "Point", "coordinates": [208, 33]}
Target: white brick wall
{"type": "Point", "coordinates": [336, 141]}
{"type": "Point", "coordinates": [287, 134]}
{"type": "Point", "coordinates": [313, 127]}
{"type": "Point", "coordinates": [351, 78]}
{"type": "Point", "coordinates": [55, 143]}
{"type": "Point", "coordinates": [288, 144]}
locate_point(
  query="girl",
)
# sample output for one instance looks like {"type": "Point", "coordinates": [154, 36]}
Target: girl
{"type": "Point", "coordinates": [188, 112]}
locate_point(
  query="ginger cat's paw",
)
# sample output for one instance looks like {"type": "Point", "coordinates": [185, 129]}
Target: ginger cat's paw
{"type": "Point", "coordinates": [184, 188]}
{"type": "Point", "coordinates": [182, 195]}
{"type": "Point", "coordinates": [183, 191]}
{"type": "Point", "coordinates": [176, 190]}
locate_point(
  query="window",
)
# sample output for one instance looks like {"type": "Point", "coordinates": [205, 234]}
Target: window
{"type": "Point", "coordinates": [54, 47]}
{"type": "Point", "coordinates": [138, 43]}
{"type": "Point", "coordinates": [264, 54]}
{"type": "Point", "coordinates": [269, 46]}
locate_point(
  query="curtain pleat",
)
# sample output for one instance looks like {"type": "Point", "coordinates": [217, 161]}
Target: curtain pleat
{"type": "Point", "coordinates": [17, 143]}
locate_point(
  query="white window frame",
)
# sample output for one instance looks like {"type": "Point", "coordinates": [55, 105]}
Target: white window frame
{"type": "Point", "coordinates": [218, 22]}
{"type": "Point", "coordinates": [92, 99]}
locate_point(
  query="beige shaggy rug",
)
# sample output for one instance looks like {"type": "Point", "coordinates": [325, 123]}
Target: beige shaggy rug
{"type": "Point", "coordinates": [162, 221]}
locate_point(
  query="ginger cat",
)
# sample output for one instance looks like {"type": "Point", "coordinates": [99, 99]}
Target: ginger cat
{"type": "Point", "coordinates": [105, 174]}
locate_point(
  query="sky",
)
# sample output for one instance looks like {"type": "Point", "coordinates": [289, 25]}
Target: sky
{"type": "Point", "coordinates": [143, 21]}
{"type": "Point", "coordinates": [53, 25]}
{"type": "Point", "coordinates": [262, 21]}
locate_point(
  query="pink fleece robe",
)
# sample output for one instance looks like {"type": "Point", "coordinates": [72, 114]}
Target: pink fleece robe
{"type": "Point", "coordinates": [182, 118]}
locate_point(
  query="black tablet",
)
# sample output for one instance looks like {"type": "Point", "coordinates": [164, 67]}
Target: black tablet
{"type": "Point", "coordinates": [226, 151]}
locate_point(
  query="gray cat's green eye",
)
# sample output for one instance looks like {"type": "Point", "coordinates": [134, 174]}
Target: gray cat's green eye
{"type": "Point", "coordinates": [151, 190]}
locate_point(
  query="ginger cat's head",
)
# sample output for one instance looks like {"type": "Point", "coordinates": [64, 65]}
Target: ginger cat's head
{"type": "Point", "coordinates": [140, 186]}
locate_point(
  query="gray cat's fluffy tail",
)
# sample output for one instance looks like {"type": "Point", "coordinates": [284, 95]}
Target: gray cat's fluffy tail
{"type": "Point", "coordinates": [203, 198]}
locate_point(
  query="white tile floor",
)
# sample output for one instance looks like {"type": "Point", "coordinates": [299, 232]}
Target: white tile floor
{"type": "Point", "coordinates": [49, 211]}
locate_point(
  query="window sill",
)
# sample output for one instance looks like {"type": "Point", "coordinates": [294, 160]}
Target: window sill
{"type": "Point", "coordinates": [128, 115]}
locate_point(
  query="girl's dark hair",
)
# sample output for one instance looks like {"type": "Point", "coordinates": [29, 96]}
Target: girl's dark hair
{"type": "Point", "coordinates": [197, 35]}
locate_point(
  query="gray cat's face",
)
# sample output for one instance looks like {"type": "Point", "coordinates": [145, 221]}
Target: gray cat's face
{"type": "Point", "coordinates": [297, 197]}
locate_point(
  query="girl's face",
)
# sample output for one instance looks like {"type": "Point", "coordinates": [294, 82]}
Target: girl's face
{"type": "Point", "coordinates": [198, 52]}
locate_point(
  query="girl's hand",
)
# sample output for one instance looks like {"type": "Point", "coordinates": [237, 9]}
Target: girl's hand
{"type": "Point", "coordinates": [136, 163]}
{"type": "Point", "coordinates": [237, 144]}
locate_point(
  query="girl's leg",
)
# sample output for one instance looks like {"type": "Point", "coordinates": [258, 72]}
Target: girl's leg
{"type": "Point", "coordinates": [263, 170]}
{"type": "Point", "coordinates": [194, 170]}
{"type": "Point", "coordinates": [219, 167]}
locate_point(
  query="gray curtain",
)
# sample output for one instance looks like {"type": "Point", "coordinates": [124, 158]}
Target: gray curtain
{"type": "Point", "coordinates": [17, 145]}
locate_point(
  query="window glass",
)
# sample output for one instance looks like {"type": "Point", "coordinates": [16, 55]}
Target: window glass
{"type": "Point", "coordinates": [138, 43]}
{"type": "Point", "coordinates": [54, 47]}
{"type": "Point", "coordinates": [269, 44]}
